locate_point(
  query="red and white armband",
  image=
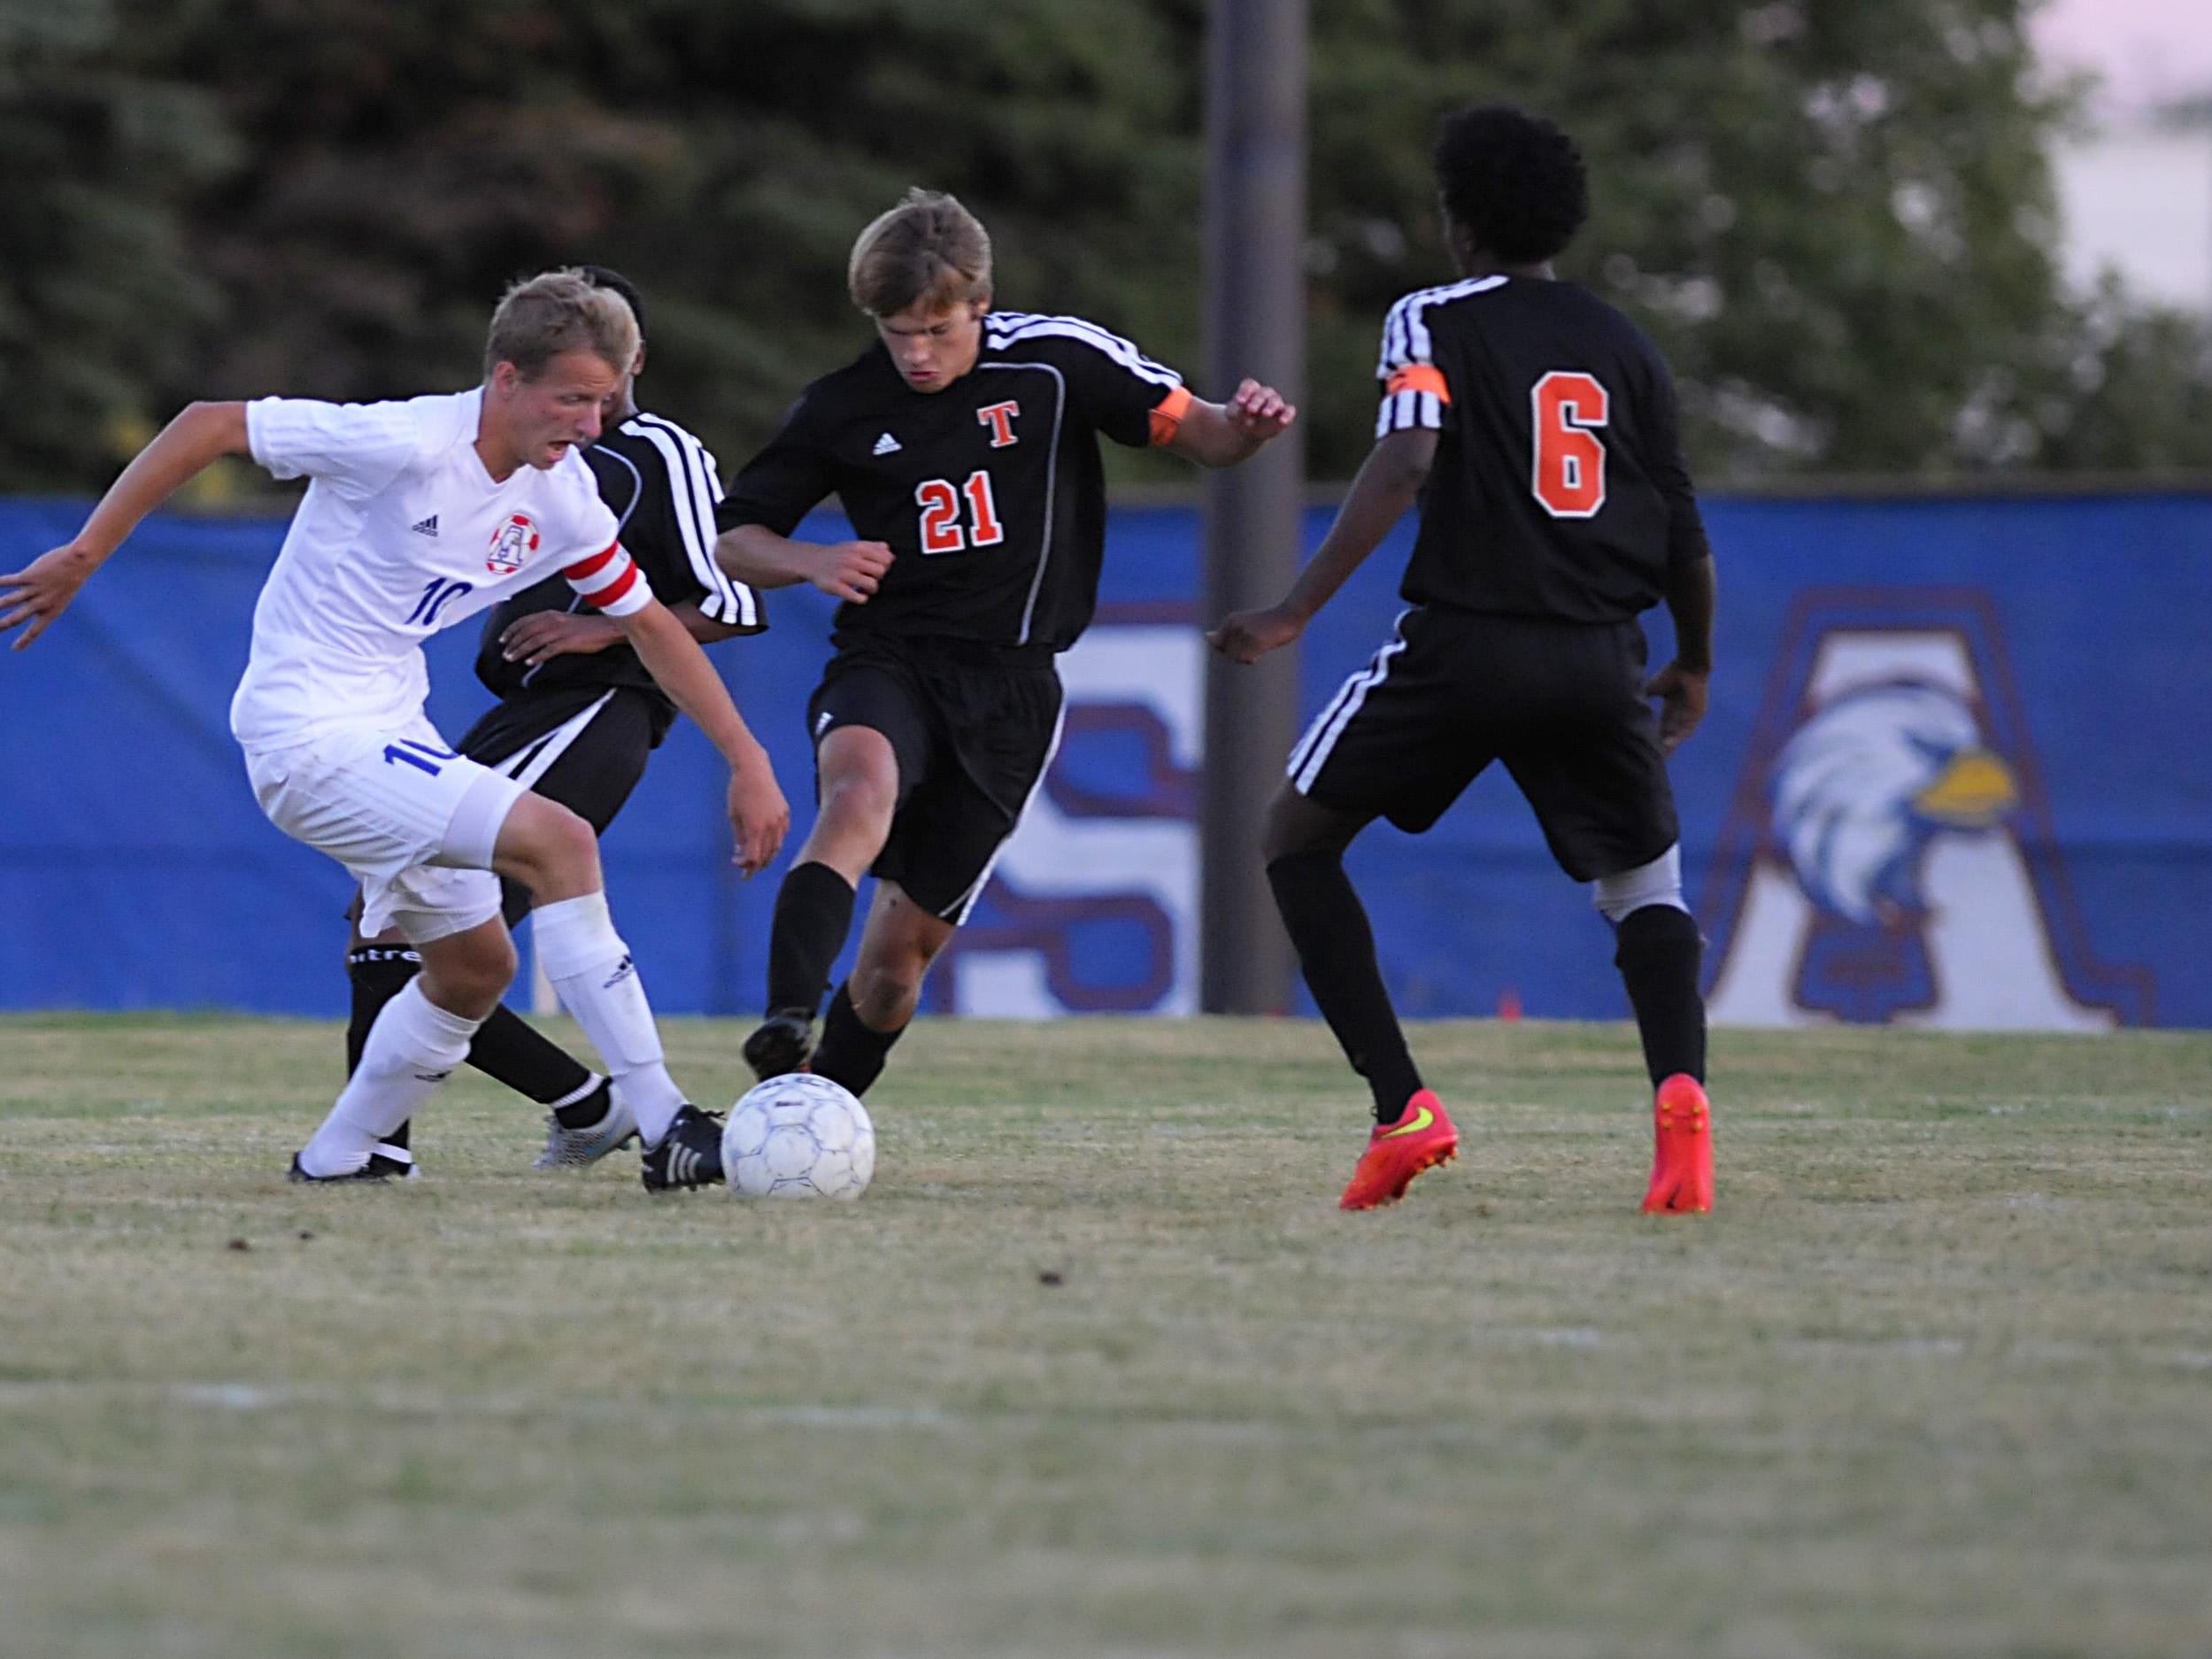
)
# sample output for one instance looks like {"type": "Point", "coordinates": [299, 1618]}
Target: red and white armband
{"type": "Point", "coordinates": [611, 581]}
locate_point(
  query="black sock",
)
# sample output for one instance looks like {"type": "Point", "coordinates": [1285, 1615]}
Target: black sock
{"type": "Point", "coordinates": [1659, 956]}
{"type": "Point", "coordinates": [813, 912]}
{"type": "Point", "coordinates": [511, 1050]}
{"type": "Point", "coordinates": [1335, 948]}
{"type": "Point", "coordinates": [851, 1053]}
{"type": "Point", "coordinates": [587, 1107]}
{"type": "Point", "coordinates": [516, 901]}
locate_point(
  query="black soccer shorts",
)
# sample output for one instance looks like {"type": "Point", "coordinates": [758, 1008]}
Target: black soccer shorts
{"type": "Point", "coordinates": [585, 747]}
{"type": "Point", "coordinates": [973, 727]}
{"type": "Point", "coordinates": [1562, 703]}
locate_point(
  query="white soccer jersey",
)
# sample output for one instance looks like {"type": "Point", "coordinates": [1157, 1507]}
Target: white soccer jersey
{"type": "Point", "coordinates": [402, 532]}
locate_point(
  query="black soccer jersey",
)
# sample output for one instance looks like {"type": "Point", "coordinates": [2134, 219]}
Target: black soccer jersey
{"type": "Point", "coordinates": [989, 492]}
{"type": "Point", "coordinates": [1559, 488]}
{"type": "Point", "coordinates": [662, 486]}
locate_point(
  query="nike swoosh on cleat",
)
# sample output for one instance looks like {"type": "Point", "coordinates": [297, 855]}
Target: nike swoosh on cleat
{"type": "Point", "coordinates": [1415, 1127]}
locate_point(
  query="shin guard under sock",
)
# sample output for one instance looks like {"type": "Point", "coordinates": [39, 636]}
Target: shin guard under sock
{"type": "Point", "coordinates": [1659, 954]}
{"type": "Point", "coordinates": [813, 912]}
{"type": "Point", "coordinates": [1336, 949]}
{"type": "Point", "coordinates": [598, 983]}
{"type": "Point", "coordinates": [413, 1047]}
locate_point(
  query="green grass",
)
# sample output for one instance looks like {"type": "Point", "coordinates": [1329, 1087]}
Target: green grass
{"type": "Point", "coordinates": [1935, 1378]}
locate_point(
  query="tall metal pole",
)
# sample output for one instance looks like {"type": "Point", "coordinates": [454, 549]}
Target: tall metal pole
{"type": "Point", "coordinates": [1255, 324]}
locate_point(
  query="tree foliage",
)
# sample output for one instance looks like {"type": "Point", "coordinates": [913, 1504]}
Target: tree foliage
{"type": "Point", "coordinates": [99, 300]}
{"type": "Point", "coordinates": [1837, 221]}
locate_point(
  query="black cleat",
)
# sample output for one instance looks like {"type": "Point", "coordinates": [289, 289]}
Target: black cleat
{"type": "Point", "coordinates": [381, 1167]}
{"type": "Point", "coordinates": [689, 1155]}
{"type": "Point", "coordinates": [781, 1044]}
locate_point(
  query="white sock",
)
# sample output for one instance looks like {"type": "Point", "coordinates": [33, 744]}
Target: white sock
{"type": "Point", "coordinates": [591, 971]}
{"type": "Point", "coordinates": [413, 1047]}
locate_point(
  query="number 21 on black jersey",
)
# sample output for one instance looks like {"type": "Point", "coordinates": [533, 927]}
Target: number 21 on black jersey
{"type": "Point", "coordinates": [942, 530]}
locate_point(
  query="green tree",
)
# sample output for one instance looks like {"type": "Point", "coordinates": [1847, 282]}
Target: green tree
{"type": "Point", "coordinates": [97, 294]}
{"type": "Point", "coordinates": [409, 161]}
{"type": "Point", "coordinates": [1837, 221]}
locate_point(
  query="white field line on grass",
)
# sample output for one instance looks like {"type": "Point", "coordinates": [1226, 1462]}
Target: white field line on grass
{"type": "Point", "coordinates": [255, 1397]}
{"type": "Point", "coordinates": [240, 1397]}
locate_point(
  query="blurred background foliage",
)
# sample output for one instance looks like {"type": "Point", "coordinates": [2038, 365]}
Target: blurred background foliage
{"type": "Point", "coordinates": [1837, 220]}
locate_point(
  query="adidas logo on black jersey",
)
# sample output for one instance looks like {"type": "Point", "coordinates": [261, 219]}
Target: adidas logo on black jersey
{"type": "Point", "coordinates": [885, 445]}
{"type": "Point", "coordinates": [428, 526]}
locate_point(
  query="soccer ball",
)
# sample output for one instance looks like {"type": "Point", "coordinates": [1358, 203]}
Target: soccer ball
{"type": "Point", "coordinates": [798, 1136]}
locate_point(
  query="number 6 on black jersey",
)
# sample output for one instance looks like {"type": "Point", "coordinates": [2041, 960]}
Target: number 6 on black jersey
{"type": "Point", "coordinates": [1568, 406]}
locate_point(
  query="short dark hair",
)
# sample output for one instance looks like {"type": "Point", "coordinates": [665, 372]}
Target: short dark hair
{"type": "Point", "coordinates": [1513, 180]}
{"type": "Point", "coordinates": [602, 276]}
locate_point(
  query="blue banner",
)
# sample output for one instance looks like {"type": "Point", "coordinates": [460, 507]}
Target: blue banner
{"type": "Point", "coordinates": [1950, 778]}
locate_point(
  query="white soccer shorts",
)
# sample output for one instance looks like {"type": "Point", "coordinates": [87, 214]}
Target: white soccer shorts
{"type": "Point", "coordinates": [414, 823]}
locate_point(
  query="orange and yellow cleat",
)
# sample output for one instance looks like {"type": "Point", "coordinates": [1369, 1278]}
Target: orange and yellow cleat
{"type": "Point", "coordinates": [1422, 1138]}
{"type": "Point", "coordinates": [1682, 1163]}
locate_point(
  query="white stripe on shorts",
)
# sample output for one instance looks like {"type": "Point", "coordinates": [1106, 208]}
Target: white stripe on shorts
{"type": "Point", "coordinates": [1312, 752]}
{"type": "Point", "coordinates": [966, 902]}
{"type": "Point", "coordinates": [533, 760]}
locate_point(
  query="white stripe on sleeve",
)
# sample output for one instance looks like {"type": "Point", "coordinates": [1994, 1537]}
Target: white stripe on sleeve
{"type": "Point", "coordinates": [1005, 330]}
{"type": "Point", "coordinates": [694, 488]}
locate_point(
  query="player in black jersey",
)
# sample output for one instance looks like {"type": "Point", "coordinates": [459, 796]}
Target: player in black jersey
{"type": "Point", "coordinates": [577, 716]}
{"type": "Point", "coordinates": [1537, 429]}
{"type": "Point", "coordinates": [963, 444]}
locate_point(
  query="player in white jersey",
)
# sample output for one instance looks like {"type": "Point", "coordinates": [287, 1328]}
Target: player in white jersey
{"type": "Point", "coordinates": [418, 514]}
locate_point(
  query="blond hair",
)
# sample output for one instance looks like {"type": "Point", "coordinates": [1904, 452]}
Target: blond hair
{"type": "Point", "coordinates": [928, 248]}
{"type": "Point", "coordinates": [556, 312]}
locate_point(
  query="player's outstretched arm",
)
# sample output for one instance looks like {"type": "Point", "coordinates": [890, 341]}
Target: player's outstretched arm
{"type": "Point", "coordinates": [757, 556]}
{"type": "Point", "coordinates": [42, 591]}
{"type": "Point", "coordinates": [757, 811]}
{"type": "Point", "coordinates": [1389, 483]}
{"type": "Point", "coordinates": [1222, 434]}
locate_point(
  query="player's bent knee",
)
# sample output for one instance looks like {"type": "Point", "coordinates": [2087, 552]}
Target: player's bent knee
{"type": "Point", "coordinates": [1657, 882]}
{"type": "Point", "coordinates": [549, 849]}
{"type": "Point", "coordinates": [886, 996]}
{"type": "Point", "coordinates": [467, 973]}
{"type": "Point", "coordinates": [858, 802]}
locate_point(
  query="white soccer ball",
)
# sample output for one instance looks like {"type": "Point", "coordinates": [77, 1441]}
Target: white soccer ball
{"type": "Point", "coordinates": [798, 1136]}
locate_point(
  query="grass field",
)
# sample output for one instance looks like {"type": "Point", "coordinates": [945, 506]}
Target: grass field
{"type": "Point", "coordinates": [1097, 1369]}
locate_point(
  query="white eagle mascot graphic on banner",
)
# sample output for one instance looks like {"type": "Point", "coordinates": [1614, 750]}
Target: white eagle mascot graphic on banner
{"type": "Point", "coordinates": [1892, 885]}
{"type": "Point", "coordinates": [1866, 784]}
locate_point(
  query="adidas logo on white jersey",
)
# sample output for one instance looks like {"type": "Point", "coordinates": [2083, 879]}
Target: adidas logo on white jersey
{"type": "Point", "coordinates": [885, 445]}
{"type": "Point", "coordinates": [428, 526]}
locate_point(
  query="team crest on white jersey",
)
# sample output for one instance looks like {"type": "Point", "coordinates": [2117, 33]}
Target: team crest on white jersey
{"type": "Point", "coordinates": [1889, 856]}
{"type": "Point", "coordinates": [511, 544]}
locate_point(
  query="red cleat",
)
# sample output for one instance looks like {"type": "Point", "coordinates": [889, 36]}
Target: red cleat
{"type": "Point", "coordinates": [1682, 1165]}
{"type": "Point", "coordinates": [1422, 1138]}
